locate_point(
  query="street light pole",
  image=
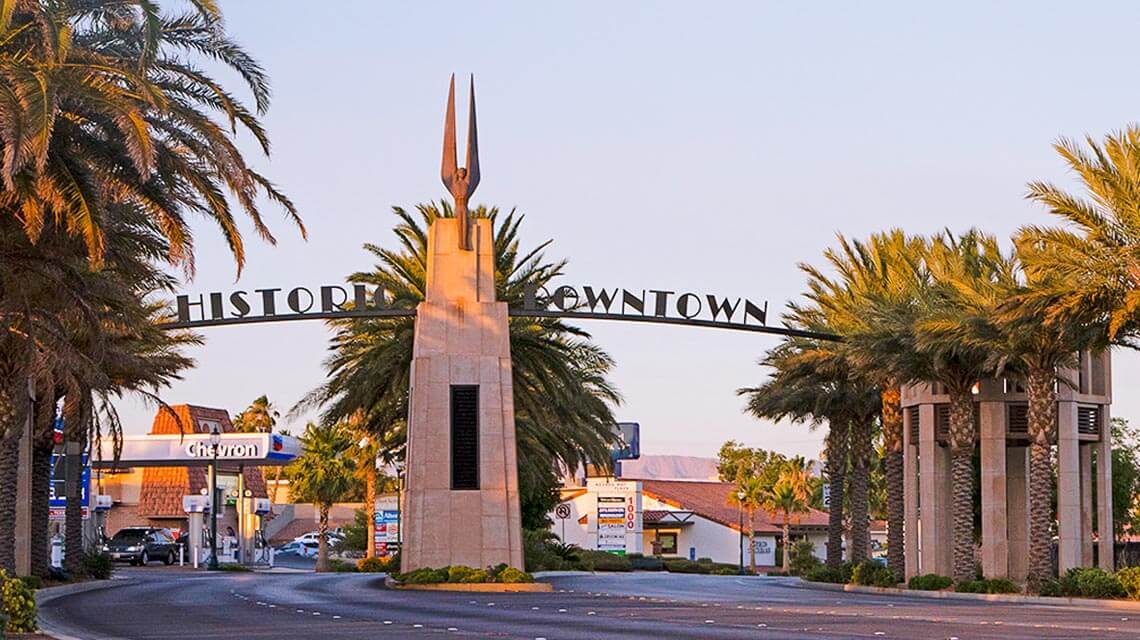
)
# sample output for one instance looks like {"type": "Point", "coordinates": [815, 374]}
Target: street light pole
{"type": "Point", "coordinates": [740, 502]}
{"type": "Point", "coordinates": [215, 440]}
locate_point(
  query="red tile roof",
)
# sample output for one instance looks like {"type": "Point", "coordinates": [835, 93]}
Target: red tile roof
{"type": "Point", "coordinates": [710, 500]}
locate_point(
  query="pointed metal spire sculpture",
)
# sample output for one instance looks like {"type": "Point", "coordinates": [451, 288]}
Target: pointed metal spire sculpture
{"type": "Point", "coordinates": [460, 181]}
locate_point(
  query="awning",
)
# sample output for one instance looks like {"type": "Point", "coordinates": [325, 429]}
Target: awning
{"type": "Point", "coordinates": [195, 450]}
{"type": "Point", "coordinates": [656, 519]}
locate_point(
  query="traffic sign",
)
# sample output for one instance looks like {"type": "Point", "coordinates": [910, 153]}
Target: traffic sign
{"type": "Point", "coordinates": [562, 511]}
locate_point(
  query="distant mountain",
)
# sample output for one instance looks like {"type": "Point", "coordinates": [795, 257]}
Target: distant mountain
{"type": "Point", "coordinates": [661, 467]}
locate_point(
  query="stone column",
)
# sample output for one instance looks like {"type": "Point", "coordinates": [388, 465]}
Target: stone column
{"type": "Point", "coordinates": [1017, 511]}
{"type": "Point", "coordinates": [461, 360]}
{"type": "Point", "coordinates": [1086, 505]}
{"type": "Point", "coordinates": [934, 487]}
{"type": "Point", "coordinates": [1106, 552]}
{"type": "Point", "coordinates": [1068, 487]}
{"type": "Point", "coordinates": [911, 540]}
{"type": "Point", "coordinates": [995, 544]}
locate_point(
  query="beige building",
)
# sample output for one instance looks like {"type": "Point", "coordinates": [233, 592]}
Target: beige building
{"type": "Point", "coordinates": [1082, 437]}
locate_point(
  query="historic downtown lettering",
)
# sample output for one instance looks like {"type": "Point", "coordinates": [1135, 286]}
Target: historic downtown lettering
{"type": "Point", "coordinates": [587, 301]}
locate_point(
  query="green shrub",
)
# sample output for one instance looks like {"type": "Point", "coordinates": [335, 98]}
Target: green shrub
{"type": "Point", "coordinates": [511, 575]}
{"type": "Point", "coordinates": [97, 566]}
{"type": "Point", "coordinates": [995, 585]}
{"type": "Point", "coordinates": [1130, 580]}
{"type": "Point", "coordinates": [543, 551]}
{"type": "Point", "coordinates": [645, 563]}
{"type": "Point", "coordinates": [33, 582]}
{"type": "Point", "coordinates": [803, 557]}
{"type": "Point", "coordinates": [340, 566]}
{"type": "Point", "coordinates": [19, 605]}
{"type": "Point", "coordinates": [724, 570]}
{"type": "Point", "coordinates": [682, 565]}
{"type": "Point", "coordinates": [236, 568]}
{"type": "Point", "coordinates": [462, 574]}
{"type": "Point", "coordinates": [840, 575]}
{"type": "Point", "coordinates": [929, 582]}
{"type": "Point", "coordinates": [1083, 582]}
{"type": "Point", "coordinates": [423, 575]}
{"type": "Point", "coordinates": [603, 561]}
{"type": "Point", "coordinates": [872, 574]}
{"type": "Point", "coordinates": [372, 565]}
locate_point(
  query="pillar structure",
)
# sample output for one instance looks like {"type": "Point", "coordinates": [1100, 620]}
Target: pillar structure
{"type": "Point", "coordinates": [1086, 479]}
{"type": "Point", "coordinates": [1068, 488]}
{"type": "Point", "coordinates": [1106, 553]}
{"type": "Point", "coordinates": [934, 487]}
{"type": "Point", "coordinates": [1017, 510]}
{"type": "Point", "coordinates": [911, 538]}
{"type": "Point", "coordinates": [995, 523]}
{"type": "Point", "coordinates": [462, 471]}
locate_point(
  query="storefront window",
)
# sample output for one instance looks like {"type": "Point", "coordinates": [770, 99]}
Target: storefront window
{"type": "Point", "coordinates": [668, 543]}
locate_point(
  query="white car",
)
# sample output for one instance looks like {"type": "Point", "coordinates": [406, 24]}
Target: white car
{"type": "Point", "coordinates": [314, 537]}
{"type": "Point", "coordinates": [298, 548]}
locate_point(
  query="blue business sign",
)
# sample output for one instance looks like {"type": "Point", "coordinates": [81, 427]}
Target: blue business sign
{"type": "Point", "coordinates": [57, 491]}
{"type": "Point", "coordinates": [629, 441]}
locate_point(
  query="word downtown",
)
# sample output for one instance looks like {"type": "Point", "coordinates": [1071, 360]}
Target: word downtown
{"type": "Point", "coordinates": [332, 301]}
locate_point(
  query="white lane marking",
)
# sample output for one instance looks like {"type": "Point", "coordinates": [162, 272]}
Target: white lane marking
{"type": "Point", "coordinates": [561, 611]}
{"type": "Point", "coordinates": [591, 613]}
{"type": "Point", "coordinates": [710, 621]}
{"type": "Point", "coordinates": [336, 617]}
{"type": "Point", "coordinates": [387, 622]}
{"type": "Point", "coordinates": [417, 626]}
{"type": "Point", "coordinates": [452, 629]}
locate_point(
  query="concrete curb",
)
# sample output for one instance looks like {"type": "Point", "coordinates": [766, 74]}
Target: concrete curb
{"type": "Point", "coordinates": [44, 596]}
{"type": "Point", "coordinates": [1008, 598]}
{"type": "Point", "coordinates": [480, 587]}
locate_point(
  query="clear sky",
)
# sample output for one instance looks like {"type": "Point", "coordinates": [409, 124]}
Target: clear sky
{"type": "Point", "coordinates": [707, 147]}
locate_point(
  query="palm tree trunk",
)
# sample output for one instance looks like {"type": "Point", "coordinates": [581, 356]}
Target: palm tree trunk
{"type": "Point", "coordinates": [787, 544]}
{"type": "Point", "coordinates": [892, 418]}
{"type": "Point", "coordinates": [1042, 417]}
{"type": "Point", "coordinates": [751, 541]}
{"type": "Point", "coordinates": [44, 430]}
{"type": "Point", "coordinates": [861, 449]}
{"type": "Point", "coordinates": [322, 537]}
{"type": "Point", "coordinates": [76, 418]}
{"type": "Point", "coordinates": [370, 511]}
{"type": "Point", "coordinates": [836, 472]}
{"type": "Point", "coordinates": [962, 482]}
{"type": "Point", "coordinates": [13, 413]}
{"type": "Point", "coordinates": [276, 483]}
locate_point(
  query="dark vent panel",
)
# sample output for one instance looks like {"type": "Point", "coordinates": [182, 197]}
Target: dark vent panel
{"type": "Point", "coordinates": [464, 437]}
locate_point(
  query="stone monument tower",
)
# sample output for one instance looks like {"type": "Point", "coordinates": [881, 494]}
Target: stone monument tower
{"type": "Point", "coordinates": [462, 500]}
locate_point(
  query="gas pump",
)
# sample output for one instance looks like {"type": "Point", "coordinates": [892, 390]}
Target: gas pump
{"type": "Point", "coordinates": [255, 510]}
{"type": "Point", "coordinates": [196, 507]}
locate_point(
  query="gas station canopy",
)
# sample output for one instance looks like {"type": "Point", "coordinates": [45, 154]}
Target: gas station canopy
{"type": "Point", "coordinates": [195, 450]}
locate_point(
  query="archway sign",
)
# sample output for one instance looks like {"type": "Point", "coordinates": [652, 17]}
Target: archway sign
{"type": "Point", "coordinates": [585, 302]}
{"type": "Point", "coordinates": [462, 502]}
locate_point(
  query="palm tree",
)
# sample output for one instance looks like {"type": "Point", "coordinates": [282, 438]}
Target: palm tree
{"type": "Point", "coordinates": [259, 417]}
{"type": "Point", "coordinates": [907, 338]}
{"type": "Point", "coordinates": [1092, 271]}
{"type": "Point", "coordinates": [748, 495]}
{"type": "Point", "coordinates": [106, 116]}
{"type": "Point", "coordinates": [562, 396]}
{"type": "Point", "coordinates": [878, 272]}
{"type": "Point", "coordinates": [811, 383]}
{"type": "Point", "coordinates": [789, 497]}
{"type": "Point", "coordinates": [323, 474]}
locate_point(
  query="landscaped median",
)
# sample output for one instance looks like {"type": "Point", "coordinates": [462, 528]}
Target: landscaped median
{"type": "Point", "coordinates": [1086, 587]}
{"type": "Point", "coordinates": [498, 579]}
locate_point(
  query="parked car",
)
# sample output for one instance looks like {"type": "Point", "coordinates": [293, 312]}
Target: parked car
{"type": "Point", "coordinates": [333, 538]}
{"type": "Point", "coordinates": [304, 549]}
{"type": "Point", "coordinates": [140, 545]}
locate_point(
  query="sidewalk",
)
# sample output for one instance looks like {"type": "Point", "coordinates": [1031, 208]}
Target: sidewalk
{"type": "Point", "coordinates": [1007, 598]}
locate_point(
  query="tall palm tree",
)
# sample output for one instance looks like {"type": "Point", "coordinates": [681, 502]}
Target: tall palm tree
{"type": "Point", "coordinates": [1003, 315]}
{"type": "Point", "coordinates": [789, 498]}
{"type": "Point", "coordinates": [811, 383]}
{"type": "Point", "coordinates": [106, 114]}
{"type": "Point", "coordinates": [563, 399]}
{"type": "Point", "coordinates": [1090, 270]}
{"type": "Point", "coordinates": [906, 337]}
{"type": "Point", "coordinates": [877, 272]}
{"type": "Point", "coordinates": [748, 495]}
{"type": "Point", "coordinates": [322, 474]}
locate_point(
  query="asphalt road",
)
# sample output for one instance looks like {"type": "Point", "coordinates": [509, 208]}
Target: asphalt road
{"type": "Point", "coordinates": [169, 604]}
